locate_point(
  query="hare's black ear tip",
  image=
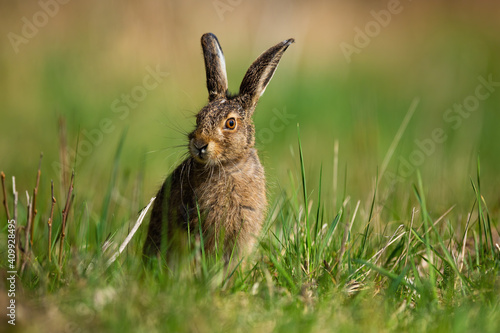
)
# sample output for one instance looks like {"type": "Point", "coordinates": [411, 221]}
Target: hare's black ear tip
{"type": "Point", "coordinates": [286, 43]}
{"type": "Point", "coordinates": [208, 36]}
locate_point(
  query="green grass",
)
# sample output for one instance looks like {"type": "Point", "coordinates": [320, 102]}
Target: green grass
{"type": "Point", "coordinates": [352, 268]}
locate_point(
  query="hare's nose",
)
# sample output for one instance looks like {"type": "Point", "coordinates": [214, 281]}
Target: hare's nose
{"type": "Point", "coordinates": [201, 146]}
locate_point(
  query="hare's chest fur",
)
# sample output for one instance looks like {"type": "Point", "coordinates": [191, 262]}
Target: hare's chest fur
{"type": "Point", "coordinates": [233, 198]}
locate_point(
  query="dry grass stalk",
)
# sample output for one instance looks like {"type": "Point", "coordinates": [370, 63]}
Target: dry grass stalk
{"type": "Point", "coordinates": [65, 217]}
{"type": "Point", "coordinates": [409, 235]}
{"type": "Point", "coordinates": [5, 196]}
{"type": "Point", "coordinates": [19, 247]}
{"type": "Point", "coordinates": [347, 232]}
{"type": "Point", "coordinates": [131, 234]}
{"type": "Point", "coordinates": [335, 170]}
{"type": "Point", "coordinates": [33, 206]}
{"type": "Point", "coordinates": [461, 257]}
{"type": "Point", "coordinates": [26, 251]}
{"type": "Point", "coordinates": [16, 197]}
{"type": "Point", "coordinates": [49, 222]}
{"type": "Point", "coordinates": [63, 152]}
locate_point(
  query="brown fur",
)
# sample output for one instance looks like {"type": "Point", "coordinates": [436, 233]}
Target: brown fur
{"type": "Point", "coordinates": [221, 187]}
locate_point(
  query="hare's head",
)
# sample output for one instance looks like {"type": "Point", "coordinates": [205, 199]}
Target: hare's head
{"type": "Point", "coordinates": [224, 127]}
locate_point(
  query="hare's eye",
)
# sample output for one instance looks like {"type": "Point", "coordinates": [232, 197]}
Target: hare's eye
{"type": "Point", "coordinates": [231, 123]}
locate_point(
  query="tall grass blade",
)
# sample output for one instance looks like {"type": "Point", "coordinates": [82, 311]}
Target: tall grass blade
{"type": "Point", "coordinates": [304, 193]}
{"type": "Point", "coordinates": [419, 192]}
{"type": "Point", "coordinates": [111, 185]}
{"type": "Point", "coordinates": [370, 216]}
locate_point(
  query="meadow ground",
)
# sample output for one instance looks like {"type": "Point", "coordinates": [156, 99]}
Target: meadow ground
{"type": "Point", "coordinates": [382, 165]}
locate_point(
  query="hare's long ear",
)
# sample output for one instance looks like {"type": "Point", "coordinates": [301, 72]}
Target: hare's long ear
{"type": "Point", "coordinates": [215, 66]}
{"type": "Point", "coordinates": [260, 73]}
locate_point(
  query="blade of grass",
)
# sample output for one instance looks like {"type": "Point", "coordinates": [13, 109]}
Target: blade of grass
{"type": "Point", "coordinates": [107, 199]}
{"type": "Point", "coordinates": [419, 192]}
{"type": "Point", "coordinates": [5, 196]}
{"type": "Point", "coordinates": [409, 235]}
{"type": "Point", "coordinates": [486, 221]}
{"type": "Point", "coordinates": [389, 274]}
{"type": "Point", "coordinates": [202, 243]}
{"type": "Point", "coordinates": [377, 255]}
{"type": "Point", "coordinates": [464, 242]}
{"type": "Point", "coordinates": [335, 171]}
{"type": "Point", "coordinates": [283, 273]}
{"type": "Point", "coordinates": [318, 221]}
{"type": "Point", "coordinates": [329, 233]}
{"type": "Point", "coordinates": [304, 193]}
{"type": "Point", "coordinates": [398, 136]}
{"type": "Point", "coordinates": [131, 234]}
{"type": "Point", "coordinates": [367, 227]}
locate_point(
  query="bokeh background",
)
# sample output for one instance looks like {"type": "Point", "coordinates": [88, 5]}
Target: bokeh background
{"type": "Point", "coordinates": [75, 61]}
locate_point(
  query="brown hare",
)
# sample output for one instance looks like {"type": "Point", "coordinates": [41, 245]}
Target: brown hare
{"type": "Point", "coordinates": [219, 191]}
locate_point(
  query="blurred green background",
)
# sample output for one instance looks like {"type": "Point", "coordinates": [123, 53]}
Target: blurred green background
{"type": "Point", "coordinates": [76, 61]}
